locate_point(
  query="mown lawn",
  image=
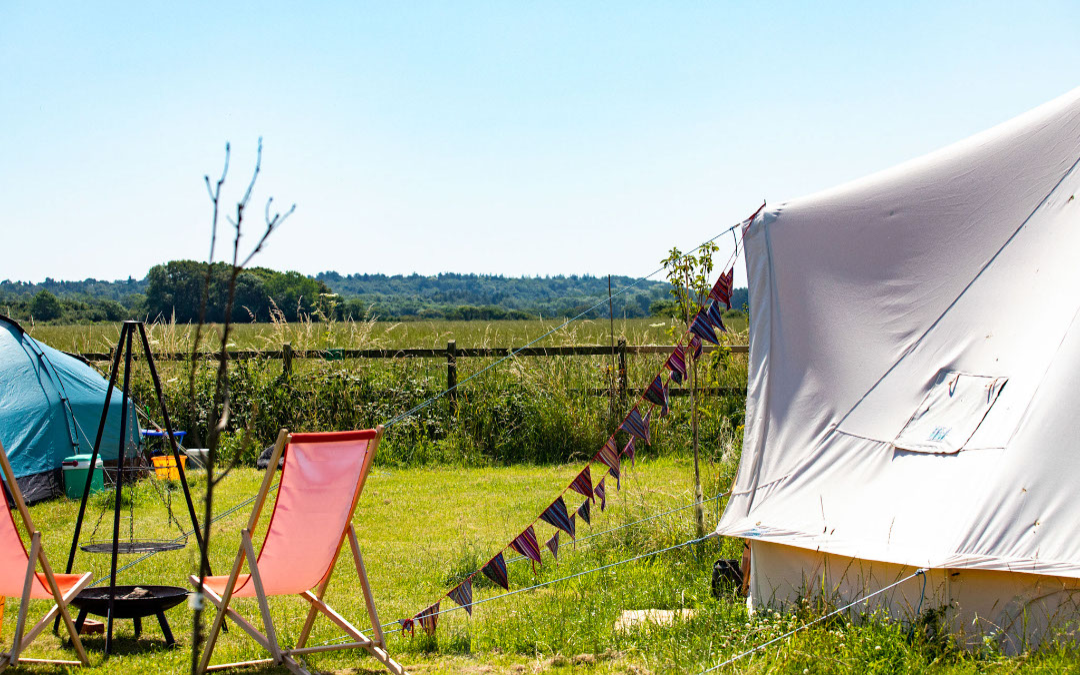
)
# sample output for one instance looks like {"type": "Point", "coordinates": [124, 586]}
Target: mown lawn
{"type": "Point", "coordinates": [421, 528]}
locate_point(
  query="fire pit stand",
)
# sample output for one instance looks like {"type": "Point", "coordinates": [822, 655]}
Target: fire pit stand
{"type": "Point", "coordinates": [131, 602]}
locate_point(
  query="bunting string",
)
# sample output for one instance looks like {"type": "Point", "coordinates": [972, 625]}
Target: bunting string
{"type": "Point", "coordinates": [609, 455]}
{"type": "Point", "coordinates": [409, 622]}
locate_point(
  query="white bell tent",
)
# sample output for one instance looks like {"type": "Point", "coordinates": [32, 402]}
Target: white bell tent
{"type": "Point", "coordinates": [914, 387]}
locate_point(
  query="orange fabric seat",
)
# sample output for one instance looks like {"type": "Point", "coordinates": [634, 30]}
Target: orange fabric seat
{"type": "Point", "coordinates": [65, 582]}
{"type": "Point", "coordinates": [321, 482]}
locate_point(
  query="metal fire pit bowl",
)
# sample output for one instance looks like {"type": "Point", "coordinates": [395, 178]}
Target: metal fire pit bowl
{"type": "Point", "coordinates": [96, 601]}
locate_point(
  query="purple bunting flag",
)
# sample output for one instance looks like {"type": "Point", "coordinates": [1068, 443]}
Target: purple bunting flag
{"type": "Point", "coordinates": [630, 450]}
{"type": "Point", "coordinates": [695, 345]}
{"type": "Point", "coordinates": [636, 426]}
{"type": "Point", "coordinates": [721, 292]}
{"type": "Point", "coordinates": [462, 595]}
{"type": "Point", "coordinates": [583, 511]}
{"type": "Point", "coordinates": [702, 328]}
{"type": "Point", "coordinates": [609, 455]}
{"type": "Point", "coordinates": [715, 315]}
{"type": "Point", "coordinates": [553, 545]}
{"type": "Point", "coordinates": [526, 545]}
{"type": "Point", "coordinates": [496, 571]}
{"type": "Point", "coordinates": [601, 493]}
{"type": "Point", "coordinates": [676, 363]}
{"type": "Point", "coordinates": [429, 618]}
{"type": "Point", "coordinates": [557, 516]}
{"type": "Point", "coordinates": [658, 393]}
{"type": "Point", "coordinates": [583, 483]}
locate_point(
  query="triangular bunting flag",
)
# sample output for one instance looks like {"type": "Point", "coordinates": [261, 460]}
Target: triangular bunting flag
{"type": "Point", "coordinates": [583, 483]}
{"type": "Point", "coordinates": [695, 345]}
{"type": "Point", "coordinates": [703, 329]}
{"type": "Point", "coordinates": [636, 426]}
{"type": "Point", "coordinates": [609, 455]}
{"type": "Point", "coordinates": [658, 393]}
{"type": "Point", "coordinates": [556, 516]}
{"type": "Point", "coordinates": [601, 493]}
{"type": "Point", "coordinates": [630, 450]}
{"type": "Point", "coordinates": [721, 292]}
{"type": "Point", "coordinates": [553, 545]}
{"type": "Point", "coordinates": [715, 315]}
{"type": "Point", "coordinates": [583, 511]}
{"type": "Point", "coordinates": [462, 595]}
{"type": "Point", "coordinates": [429, 618]}
{"type": "Point", "coordinates": [496, 571]}
{"type": "Point", "coordinates": [676, 363]}
{"type": "Point", "coordinates": [526, 545]}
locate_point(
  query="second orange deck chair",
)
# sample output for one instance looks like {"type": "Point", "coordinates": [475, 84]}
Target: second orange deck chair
{"type": "Point", "coordinates": [321, 482]}
{"type": "Point", "coordinates": [19, 578]}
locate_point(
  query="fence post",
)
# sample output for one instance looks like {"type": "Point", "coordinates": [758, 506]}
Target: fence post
{"type": "Point", "coordinates": [286, 359]}
{"type": "Point", "coordinates": [451, 373]}
{"type": "Point", "coordinates": [622, 373]}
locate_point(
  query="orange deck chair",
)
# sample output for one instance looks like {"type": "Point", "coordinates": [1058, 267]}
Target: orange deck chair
{"type": "Point", "coordinates": [320, 485]}
{"type": "Point", "coordinates": [19, 578]}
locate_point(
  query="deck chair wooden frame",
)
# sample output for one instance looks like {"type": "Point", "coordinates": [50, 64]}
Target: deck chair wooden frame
{"type": "Point", "coordinates": [22, 637]}
{"type": "Point", "coordinates": [267, 638]}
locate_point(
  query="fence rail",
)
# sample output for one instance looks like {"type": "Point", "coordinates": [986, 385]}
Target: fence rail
{"type": "Point", "coordinates": [451, 353]}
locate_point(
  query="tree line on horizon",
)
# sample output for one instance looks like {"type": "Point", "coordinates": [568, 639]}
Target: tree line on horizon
{"type": "Point", "coordinates": [173, 290]}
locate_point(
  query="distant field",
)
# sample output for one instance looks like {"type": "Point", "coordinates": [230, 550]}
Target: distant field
{"type": "Point", "coordinates": [100, 337]}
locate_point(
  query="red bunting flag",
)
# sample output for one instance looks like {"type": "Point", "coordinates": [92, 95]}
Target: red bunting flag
{"type": "Point", "coordinates": [601, 493]}
{"type": "Point", "coordinates": [583, 483]}
{"type": "Point", "coordinates": [721, 292]}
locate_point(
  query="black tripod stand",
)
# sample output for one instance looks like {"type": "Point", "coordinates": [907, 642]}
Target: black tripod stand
{"type": "Point", "coordinates": [123, 347]}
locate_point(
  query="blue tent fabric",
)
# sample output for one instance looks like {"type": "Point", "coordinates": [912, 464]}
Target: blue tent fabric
{"type": "Point", "coordinates": [50, 406]}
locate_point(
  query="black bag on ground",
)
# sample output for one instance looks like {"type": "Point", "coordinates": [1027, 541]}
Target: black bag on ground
{"type": "Point", "coordinates": [726, 576]}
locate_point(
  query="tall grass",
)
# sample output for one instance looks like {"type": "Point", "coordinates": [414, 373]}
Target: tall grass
{"type": "Point", "coordinates": [524, 409]}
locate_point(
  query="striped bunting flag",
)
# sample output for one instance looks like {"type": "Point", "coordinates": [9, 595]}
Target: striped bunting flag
{"type": "Point", "coordinates": [636, 426]}
{"type": "Point", "coordinates": [609, 455]}
{"type": "Point", "coordinates": [716, 317]}
{"type": "Point", "coordinates": [630, 450]}
{"type": "Point", "coordinates": [553, 545]}
{"type": "Point", "coordinates": [462, 595]}
{"type": "Point", "coordinates": [601, 493]}
{"type": "Point", "coordinates": [429, 618]}
{"type": "Point", "coordinates": [695, 345]}
{"type": "Point", "coordinates": [526, 545]}
{"type": "Point", "coordinates": [583, 511]}
{"type": "Point", "coordinates": [583, 483]}
{"type": "Point", "coordinates": [703, 329]}
{"type": "Point", "coordinates": [657, 392]}
{"type": "Point", "coordinates": [676, 363]}
{"type": "Point", "coordinates": [721, 292]}
{"type": "Point", "coordinates": [556, 516]}
{"type": "Point", "coordinates": [496, 571]}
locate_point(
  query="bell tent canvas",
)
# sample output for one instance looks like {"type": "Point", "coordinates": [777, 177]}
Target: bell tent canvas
{"type": "Point", "coordinates": [50, 407]}
{"type": "Point", "coordinates": [912, 399]}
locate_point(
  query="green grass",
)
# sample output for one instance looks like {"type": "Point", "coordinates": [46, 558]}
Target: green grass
{"type": "Point", "coordinates": [420, 528]}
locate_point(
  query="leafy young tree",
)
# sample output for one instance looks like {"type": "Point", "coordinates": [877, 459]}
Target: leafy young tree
{"type": "Point", "coordinates": [690, 276]}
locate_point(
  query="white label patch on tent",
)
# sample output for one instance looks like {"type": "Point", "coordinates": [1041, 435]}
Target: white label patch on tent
{"type": "Point", "coordinates": [951, 412]}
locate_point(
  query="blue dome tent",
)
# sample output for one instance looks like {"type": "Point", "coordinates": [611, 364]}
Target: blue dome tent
{"type": "Point", "coordinates": [50, 407]}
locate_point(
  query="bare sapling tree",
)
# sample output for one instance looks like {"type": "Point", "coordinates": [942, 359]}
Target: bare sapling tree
{"type": "Point", "coordinates": [690, 276]}
{"type": "Point", "coordinates": [222, 400]}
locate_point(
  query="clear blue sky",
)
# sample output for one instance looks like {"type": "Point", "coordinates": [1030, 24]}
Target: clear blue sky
{"type": "Point", "coordinates": [512, 138]}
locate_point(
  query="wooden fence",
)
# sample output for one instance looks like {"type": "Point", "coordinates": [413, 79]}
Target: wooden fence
{"type": "Point", "coordinates": [287, 355]}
